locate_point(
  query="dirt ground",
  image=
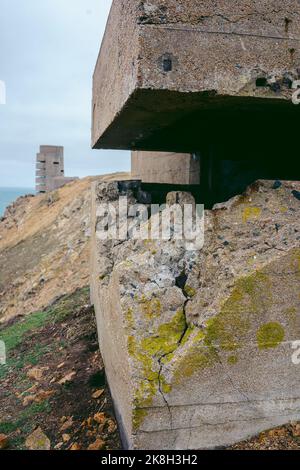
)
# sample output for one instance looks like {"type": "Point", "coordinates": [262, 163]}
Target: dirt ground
{"type": "Point", "coordinates": [53, 370]}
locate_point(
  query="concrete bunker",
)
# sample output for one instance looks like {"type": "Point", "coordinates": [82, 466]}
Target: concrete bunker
{"type": "Point", "coordinates": [193, 79]}
{"type": "Point", "coordinates": [192, 341]}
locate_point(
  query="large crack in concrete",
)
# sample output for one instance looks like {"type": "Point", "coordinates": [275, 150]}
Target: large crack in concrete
{"type": "Point", "coordinates": [162, 357]}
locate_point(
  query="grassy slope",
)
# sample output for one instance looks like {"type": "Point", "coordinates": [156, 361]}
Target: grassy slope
{"type": "Point", "coordinates": [59, 341]}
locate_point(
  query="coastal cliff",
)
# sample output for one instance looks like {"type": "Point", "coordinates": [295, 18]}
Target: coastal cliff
{"type": "Point", "coordinates": [44, 247]}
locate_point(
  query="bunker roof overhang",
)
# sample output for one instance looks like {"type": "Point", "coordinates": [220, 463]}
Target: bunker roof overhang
{"type": "Point", "coordinates": [172, 74]}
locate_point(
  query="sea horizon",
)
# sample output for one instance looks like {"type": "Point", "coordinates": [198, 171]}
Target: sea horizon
{"type": "Point", "coordinates": [9, 194]}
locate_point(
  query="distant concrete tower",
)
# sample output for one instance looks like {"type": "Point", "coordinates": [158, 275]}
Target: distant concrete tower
{"type": "Point", "coordinates": [50, 172]}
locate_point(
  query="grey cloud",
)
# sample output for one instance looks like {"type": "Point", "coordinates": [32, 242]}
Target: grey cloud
{"type": "Point", "coordinates": [48, 51]}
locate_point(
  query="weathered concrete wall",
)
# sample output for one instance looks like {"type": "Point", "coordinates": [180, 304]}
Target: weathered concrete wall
{"type": "Point", "coordinates": [50, 169]}
{"type": "Point", "coordinates": [165, 167]}
{"type": "Point", "coordinates": [198, 345]}
{"type": "Point", "coordinates": [115, 75]}
{"type": "Point", "coordinates": [161, 63]}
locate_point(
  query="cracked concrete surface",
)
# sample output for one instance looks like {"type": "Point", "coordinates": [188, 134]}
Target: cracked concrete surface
{"type": "Point", "coordinates": [198, 345]}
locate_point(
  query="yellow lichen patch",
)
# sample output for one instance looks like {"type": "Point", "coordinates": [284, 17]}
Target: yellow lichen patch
{"type": "Point", "coordinates": [232, 360]}
{"type": "Point", "coordinates": [270, 335]}
{"type": "Point", "coordinates": [258, 287]}
{"type": "Point", "coordinates": [147, 353]}
{"type": "Point", "coordinates": [200, 356]}
{"type": "Point", "coordinates": [230, 326]}
{"type": "Point", "coordinates": [129, 318]}
{"type": "Point", "coordinates": [228, 330]}
{"type": "Point", "coordinates": [187, 334]}
{"type": "Point", "coordinates": [125, 264]}
{"type": "Point", "coordinates": [189, 291]}
{"type": "Point", "coordinates": [138, 417]}
{"type": "Point", "coordinates": [131, 345]}
{"type": "Point", "coordinates": [251, 261]}
{"type": "Point", "coordinates": [165, 387]}
{"type": "Point", "coordinates": [295, 264]}
{"type": "Point", "coordinates": [150, 307]}
{"type": "Point", "coordinates": [291, 313]}
{"type": "Point", "coordinates": [251, 213]}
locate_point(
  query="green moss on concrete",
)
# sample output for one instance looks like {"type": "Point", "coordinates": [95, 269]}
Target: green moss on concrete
{"type": "Point", "coordinates": [138, 417]}
{"type": "Point", "coordinates": [151, 308]}
{"type": "Point", "coordinates": [251, 285]}
{"type": "Point", "coordinates": [189, 291]}
{"type": "Point", "coordinates": [188, 333]}
{"type": "Point", "coordinates": [165, 386]}
{"type": "Point", "coordinates": [228, 330]}
{"type": "Point", "coordinates": [200, 356]}
{"type": "Point", "coordinates": [232, 360]}
{"type": "Point", "coordinates": [270, 335]}
{"type": "Point", "coordinates": [129, 317]}
{"type": "Point", "coordinates": [296, 261]}
{"type": "Point", "coordinates": [291, 314]}
{"type": "Point", "coordinates": [147, 353]}
{"type": "Point", "coordinates": [231, 324]}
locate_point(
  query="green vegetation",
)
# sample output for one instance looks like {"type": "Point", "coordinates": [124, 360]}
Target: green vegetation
{"type": "Point", "coordinates": [189, 291]}
{"type": "Point", "coordinates": [24, 416]}
{"type": "Point", "coordinates": [148, 352]}
{"type": "Point", "coordinates": [270, 335]}
{"type": "Point", "coordinates": [14, 335]}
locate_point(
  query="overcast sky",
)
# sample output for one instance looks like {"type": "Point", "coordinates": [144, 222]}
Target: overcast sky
{"type": "Point", "coordinates": [48, 50]}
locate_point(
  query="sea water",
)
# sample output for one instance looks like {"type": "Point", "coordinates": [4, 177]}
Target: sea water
{"type": "Point", "coordinates": [9, 195]}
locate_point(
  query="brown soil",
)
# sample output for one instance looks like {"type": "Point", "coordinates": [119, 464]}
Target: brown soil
{"type": "Point", "coordinates": [282, 438]}
{"type": "Point", "coordinates": [60, 341]}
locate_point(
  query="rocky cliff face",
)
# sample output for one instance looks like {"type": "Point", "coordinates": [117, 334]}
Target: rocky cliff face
{"type": "Point", "coordinates": [44, 247]}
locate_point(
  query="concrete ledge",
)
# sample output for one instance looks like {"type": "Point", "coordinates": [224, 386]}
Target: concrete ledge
{"type": "Point", "coordinates": [160, 64]}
